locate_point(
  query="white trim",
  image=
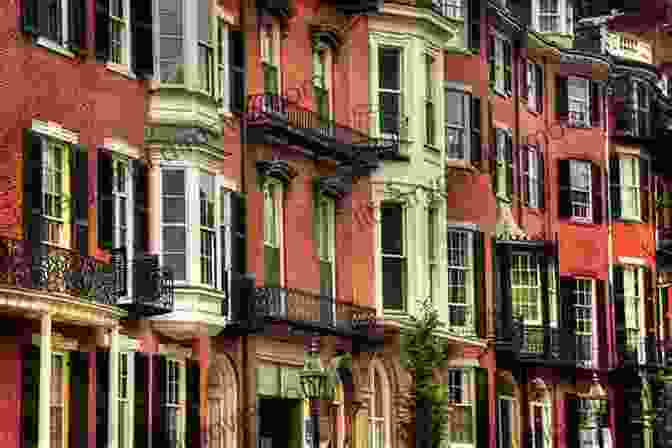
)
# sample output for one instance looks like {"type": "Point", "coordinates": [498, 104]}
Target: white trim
{"type": "Point", "coordinates": [55, 130]}
{"type": "Point", "coordinates": [55, 47]}
{"type": "Point", "coordinates": [44, 401]}
{"type": "Point", "coordinates": [633, 260]}
{"type": "Point", "coordinates": [121, 146]}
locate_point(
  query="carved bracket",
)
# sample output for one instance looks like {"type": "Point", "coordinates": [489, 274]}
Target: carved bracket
{"type": "Point", "coordinates": [278, 169]}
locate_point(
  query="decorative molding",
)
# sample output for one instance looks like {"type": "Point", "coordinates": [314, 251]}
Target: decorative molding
{"type": "Point", "coordinates": [59, 342]}
{"type": "Point", "coordinates": [121, 146]}
{"type": "Point", "coordinates": [633, 261]}
{"type": "Point", "coordinates": [178, 351]}
{"type": "Point", "coordinates": [325, 35]}
{"type": "Point", "coordinates": [278, 169]}
{"type": "Point", "coordinates": [463, 226]}
{"type": "Point", "coordinates": [127, 344]}
{"type": "Point", "coordinates": [55, 130]}
{"type": "Point", "coordinates": [335, 186]}
{"type": "Point", "coordinates": [507, 228]}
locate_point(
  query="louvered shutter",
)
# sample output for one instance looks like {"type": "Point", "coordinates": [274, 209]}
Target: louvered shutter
{"type": "Point", "coordinates": [542, 179]}
{"type": "Point", "coordinates": [596, 104]}
{"type": "Point", "coordinates": [615, 185]}
{"type": "Point", "coordinates": [105, 200]}
{"type": "Point", "coordinates": [525, 174]}
{"type": "Point", "coordinates": [193, 403]}
{"type": "Point", "coordinates": [79, 185]}
{"type": "Point", "coordinates": [619, 310]}
{"type": "Point", "coordinates": [79, 400]}
{"type": "Point", "coordinates": [141, 401]}
{"type": "Point", "coordinates": [237, 66]}
{"type": "Point", "coordinates": [572, 421]}
{"type": "Point", "coordinates": [225, 233]}
{"type": "Point", "coordinates": [476, 155]}
{"type": "Point", "coordinates": [475, 25]}
{"type": "Point", "coordinates": [524, 81]}
{"type": "Point", "coordinates": [492, 61]}
{"type": "Point", "coordinates": [568, 341]}
{"type": "Point", "coordinates": [602, 323]}
{"type": "Point", "coordinates": [645, 189]}
{"type": "Point", "coordinates": [30, 395]}
{"type": "Point", "coordinates": [102, 396]}
{"type": "Point", "coordinates": [30, 16]}
{"type": "Point", "coordinates": [564, 202]}
{"type": "Point", "coordinates": [508, 66]}
{"type": "Point", "coordinates": [160, 397]}
{"type": "Point", "coordinates": [77, 19]}
{"type": "Point", "coordinates": [140, 217]}
{"type": "Point", "coordinates": [479, 281]}
{"type": "Point", "coordinates": [596, 177]}
{"type": "Point", "coordinates": [623, 106]}
{"type": "Point", "coordinates": [482, 408]}
{"type": "Point", "coordinates": [142, 39]}
{"type": "Point", "coordinates": [503, 287]}
{"type": "Point", "coordinates": [508, 152]}
{"type": "Point", "coordinates": [561, 99]}
{"type": "Point", "coordinates": [103, 35]}
{"type": "Point", "coordinates": [239, 233]}
{"type": "Point", "coordinates": [32, 190]}
{"type": "Point", "coordinates": [649, 299]}
{"type": "Point", "coordinates": [539, 94]}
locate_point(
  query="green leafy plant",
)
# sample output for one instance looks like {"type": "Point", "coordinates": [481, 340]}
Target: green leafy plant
{"type": "Point", "coordinates": [423, 352]}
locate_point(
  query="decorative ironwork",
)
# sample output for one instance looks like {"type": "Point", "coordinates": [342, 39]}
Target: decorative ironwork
{"type": "Point", "coordinates": [153, 288]}
{"type": "Point", "coordinates": [54, 269]}
{"type": "Point", "coordinates": [644, 351]}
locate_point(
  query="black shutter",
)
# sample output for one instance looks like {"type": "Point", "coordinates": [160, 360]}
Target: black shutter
{"type": "Point", "coordinates": [105, 200]}
{"type": "Point", "coordinates": [623, 106]}
{"type": "Point", "coordinates": [645, 188]}
{"type": "Point", "coordinates": [142, 39]}
{"type": "Point", "coordinates": [596, 104]}
{"type": "Point", "coordinates": [508, 67]}
{"type": "Point", "coordinates": [503, 288]}
{"type": "Point", "coordinates": [568, 341]}
{"type": "Point", "coordinates": [30, 394]}
{"type": "Point", "coordinates": [239, 233]}
{"type": "Point", "coordinates": [77, 19]}
{"type": "Point", "coordinates": [479, 281]}
{"type": "Point", "coordinates": [141, 401]}
{"type": "Point", "coordinates": [539, 94]}
{"type": "Point", "coordinates": [602, 321]}
{"type": "Point", "coordinates": [482, 408]}
{"type": "Point", "coordinates": [542, 179]}
{"type": "Point", "coordinates": [32, 189]}
{"type": "Point", "coordinates": [619, 310]}
{"type": "Point", "coordinates": [475, 25]}
{"type": "Point", "coordinates": [476, 155]}
{"type": "Point", "coordinates": [508, 153]}
{"type": "Point", "coordinates": [226, 229]}
{"type": "Point", "coordinates": [561, 99]}
{"type": "Point", "coordinates": [524, 82]}
{"type": "Point", "coordinates": [596, 177]}
{"type": "Point", "coordinates": [140, 176]}
{"type": "Point", "coordinates": [193, 402]}
{"type": "Point", "coordinates": [564, 202]}
{"type": "Point", "coordinates": [491, 60]}
{"type": "Point", "coordinates": [615, 185]}
{"type": "Point", "coordinates": [79, 185]}
{"type": "Point", "coordinates": [103, 30]}
{"type": "Point", "coordinates": [572, 421]}
{"type": "Point", "coordinates": [30, 16]}
{"type": "Point", "coordinates": [102, 396]}
{"type": "Point", "coordinates": [160, 417]}
{"type": "Point", "coordinates": [237, 64]}
{"type": "Point", "coordinates": [79, 399]}
{"type": "Point", "coordinates": [525, 174]}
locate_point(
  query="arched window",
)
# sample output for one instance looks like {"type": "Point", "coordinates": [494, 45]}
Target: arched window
{"type": "Point", "coordinates": [222, 404]}
{"type": "Point", "coordinates": [379, 408]}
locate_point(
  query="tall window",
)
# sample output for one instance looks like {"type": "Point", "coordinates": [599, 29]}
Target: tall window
{"type": "Point", "coordinates": [429, 101]}
{"type": "Point", "coordinates": [583, 309]}
{"type": "Point", "coordinates": [119, 31]}
{"type": "Point", "coordinates": [174, 405]}
{"type": "Point", "coordinates": [460, 279]}
{"type": "Point", "coordinates": [535, 87]}
{"type": "Point", "coordinates": [208, 229]}
{"type": "Point", "coordinates": [581, 189]}
{"type": "Point", "coordinates": [174, 228]}
{"type": "Point", "coordinates": [578, 91]}
{"type": "Point", "coordinates": [432, 258]}
{"type": "Point", "coordinates": [642, 111]}
{"type": "Point", "coordinates": [121, 202]}
{"type": "Point", "coordinates": [505, 422]}
{"type": "Point", "coordinates": [327, 245]}
{"type": "Point", "coordinates": [460, 393]}
{"type": "Point", "coordinates": [389, 90]}
{"type": "Point", "coordinates": [205, 48]}
{"type": "Point", "coordinates": [456, 124]}
{"type": "Point", "coordinates": [504, 181]}
{"type": "Point", "coordinates": [53, 177]}
{"type": "Point", "coordinates": [57, 428]}
{"type": "Point", "coordinates": [125, 400]}
{"type": "Point", "coordinates": [630, 187]}
{"type": "Point", "coordinates": [632, 289]}
{"type": "Point", "coordinates": [56, 21]}
{"type": "Point", "coordinates": [549, 16]}
{"type": "Point", "coordinates": [526, 287]}
{"type": "Point", "coordinates": [272, 231]}
{"type": "Point", "coordinates": [321, 74]}
{"type": "Point", "coordinates": [171, 35]}
{"type": "Point", "coordinates": [553, 292]}
{"type": "Point", "coordinates": [542, 429]}
{"type": "Point", "coordinates": [501, 75]}
{"type": "Point", "coordinates": [393, 251]}
{"type": "Point", "coordinates": [269, 55]}
{"type": "Point", "coordinates": [533, 177]}
{"type": "Point", "coordinates": [448, 8]}
{"type": "Point", "coordinates": [378, 412]}
{"type": "Point", "coordinates": [223, 61]}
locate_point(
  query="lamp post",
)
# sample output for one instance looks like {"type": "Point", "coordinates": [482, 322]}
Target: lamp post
{"type": "Point", "coordinates": [314, 383]}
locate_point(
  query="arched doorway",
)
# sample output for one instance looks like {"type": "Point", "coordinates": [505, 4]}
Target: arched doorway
{"type": "Point", "coordinates": [222, 404]}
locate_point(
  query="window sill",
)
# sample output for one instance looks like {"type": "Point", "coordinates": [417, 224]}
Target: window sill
{"type": "Point", "coordinates": [433, 148]}
{"type": "Point", "coordinates": [55, 47]}
{"type": "Point", "coordinates": [121, 69]}
{"type": "Point", "coordinates": [461, 165]}
{"type": "Point", "coordinates": [535, 210]}
{"type": "Point", "coordinates": [581, 222]}
{"type": "Point", "coordinates": [630, 220]}
{"type": "Point", "coordinates": [502, 93]}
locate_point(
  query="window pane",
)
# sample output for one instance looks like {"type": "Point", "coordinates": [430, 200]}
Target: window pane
{"type": "Point", "coordinates": [170, 17]}
{"type": "Point", "coordinates": [173, 182]}
{"type": "Point", "coordinates": [174, 239]}
{"type": "Point", "coordinates": [394, 283]}
{"type": "Point", "coordinates": [390, 110]}
{"type": "Point", "coordinates": [455, 108]}
{"type": "Point", "coordinates": [392, 229]}
{"type": "Point", "coordinates": [173, 210]}
{"type": "Point", "coordinates": [389, 65]}
{"type": "Point", "coordinates": [203, 20]}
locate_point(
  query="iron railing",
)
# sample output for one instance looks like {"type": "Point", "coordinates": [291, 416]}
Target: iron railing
{"type": "Point", "coordinates": [448, 8]}
{"type": "Point", "coordinates": [643, 351]}
{"type": "Point", "coordinates": [57, 270]}
{"type": "Point", "coordinates": [153, 286]}
{"type": "Point", "coordinates": [303, 307]}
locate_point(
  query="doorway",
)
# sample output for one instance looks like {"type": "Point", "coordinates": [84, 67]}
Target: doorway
{"type": "Point", "coordinates": [280, 423]}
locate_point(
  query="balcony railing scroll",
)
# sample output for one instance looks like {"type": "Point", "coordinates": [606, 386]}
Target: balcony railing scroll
{"type": "Point", "coordinates": [56, 270]}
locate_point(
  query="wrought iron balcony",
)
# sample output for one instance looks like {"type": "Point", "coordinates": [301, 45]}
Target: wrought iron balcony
{"type": "Point", "coordinates": [284, 121]}
{"type": "Point", "coordinates": [57, 270]}
{"type": "Point", "coordinates": [153, 290]}
{"type": "Point", "coordinates": [642, 351]}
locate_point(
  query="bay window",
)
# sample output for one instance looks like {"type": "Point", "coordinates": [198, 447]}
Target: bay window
{"type": "Point", "coordinates": [205, 48]}
{"type": "Point", "coordinates": [630, 187]}
{"type": "Point", "coordinates": [389, 91]}
{"type": "Point", "coordinates": [393, 255]}
{"type": "Point", "coordinates": [171, 41]}
{"type": "Point", "coordinates": [208, 228]}
{"type": "Point", "coordinates": [174, 221]}
{"type": "Point", "coordinates": [460, 280]}
{"type": "Point", "coordinates": [461, 396]}
{"type": "Point", "coordinates": [526, 288]}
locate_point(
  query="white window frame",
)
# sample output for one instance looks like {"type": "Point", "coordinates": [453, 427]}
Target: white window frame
{"type": "Point", "coordinates": [327, 249]}
{"type": "Point", "coordinates": [534, 154]}
{"type": "Point", "coordinates": [533, 269]}
{"type": "Point", "coordinates": [564, 13]}
{"type": "Point", "coordinates": [464, 128]}
{"type": "Point", "coordinates": [433, 254]}
{"type": "Point", "coordinates": [500, 65]}
{"type": "Point", "coordinates": [466, 400]}
{"type": "Point", "coordinates": [633, 292]}
{"type": "Point", "coordinates": [630, 183]}
{"type": "Point", "coordinates": [179, 403]}
{"type": "Point", "coordinates": [125, 435]}
{"type": "Point", "coordinates": [208, 86]}
{"type": "Point", "coordinates": [65, 361]}
{"type": "Point", "coordinates": [547, 423]}
{"type": "Point", "coordinates": [64, 31]}
{"type": "Point", "coordinates": [185, 225]}
{"type": "Point", "coordinates": [277, 227]}
{"type": "Point", "coordinates": [323, 61]}
{"type": "Point", "coordinates": [553, 293]}
{"type": "Point", "coordinates": [118, 198]}
{"type": "Point", "coordinates": [55, 227]}
{"type": "Point", "coordinates": [467, 269]}
{"type": "Point", "coordinates": [222, 57]}
{"type": "Point", "coordinates": [663, 84]}
{"type": "Point", "coordinates": [449, 8]}
{"type": "Point", "coordinates": [512, 424]}
{"type": "Point", "coordinates": [125, 35]}
{"type": "Point", "coordinates": [403, 256]}
{"type": "Point", "coordinates": [212, 230]}
{"type": "Point", "coordinates": [500, 140]}
{"type": "Point", "coordinates": [573, 168]}
{"type": "Point", "coordinates": [577, 101]}
{"type": "Point", "coordinates": [581, 330]}
{"type": "Point", "coordinates": [269, 44]}
{"type": "Point", "coordinates": [532, 83]}
{"type": "Point", "coordinates": [430, 98]}
{"type": "Point", "coordinates": [399, 92]}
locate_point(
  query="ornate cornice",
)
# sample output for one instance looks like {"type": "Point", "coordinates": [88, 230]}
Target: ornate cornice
{"type": "Point", "coordinates": [278, 169]}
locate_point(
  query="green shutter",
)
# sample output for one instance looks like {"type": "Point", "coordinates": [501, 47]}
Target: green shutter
{"type": "Point", "coordinates": [326, 278]}
{"type": "Point", "coordinates": [295, 430]}
{"type": "Point", "coordinates": [482, 408]}
{"type": "Point", "coordinates": [79, 399]}
{"type": "Point", "coordinates": [272, 261]}
{"type": "Point", "coordinates": [480, 322]}
{"type": "Point", "coordinates": [270, 79]}
{"type": "Point", "coordinates": [30, 394]}
{"type": "Point", "coordinates": [508, 152]}
{"type": "Point", "coordinates": [193, 404]}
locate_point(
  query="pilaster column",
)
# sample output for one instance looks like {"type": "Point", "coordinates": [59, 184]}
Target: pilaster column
{"type": "Point", "coordinates": [113, 433]}
{"type": "Point", "coordinates": [44, 400]}
{"type": "Point", "coordinates": [154, 202]}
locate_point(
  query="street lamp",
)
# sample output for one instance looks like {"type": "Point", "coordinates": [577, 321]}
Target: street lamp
{"type": "Point", "coordinates": [314, 384]}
